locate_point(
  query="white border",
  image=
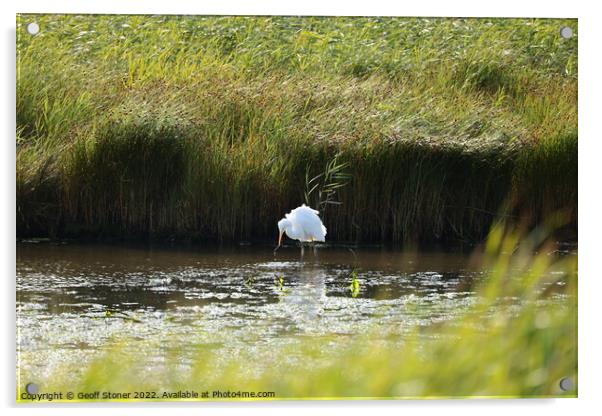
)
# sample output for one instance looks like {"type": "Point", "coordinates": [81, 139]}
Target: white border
{"type": "Point", "coordinates": [590, 22]}
{"type": "Point", "coordinates": [508, 8]}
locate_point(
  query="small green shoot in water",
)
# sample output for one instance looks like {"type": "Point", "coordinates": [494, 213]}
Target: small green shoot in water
{"type": "Point", "coordinates": [115, 313]}
{"type": "Point", "coordinates": [249, 281]}
{"type": "Point", "coordinates": [354, 287]}
{"type": "Point", "coordinates": [280, 282]}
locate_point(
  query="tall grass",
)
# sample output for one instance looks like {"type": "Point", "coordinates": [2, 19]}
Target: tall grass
{"type": "Point", "coordinates": [204, 128]}
{"type": "Point", "coordinates": [517, 340]}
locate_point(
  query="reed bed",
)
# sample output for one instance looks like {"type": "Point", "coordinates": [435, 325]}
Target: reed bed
{"type": "Point", "coordinates": [205, 128]}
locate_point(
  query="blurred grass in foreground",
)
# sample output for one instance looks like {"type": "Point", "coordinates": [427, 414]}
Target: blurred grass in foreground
{"type": "Point", "coordinates": [516, 341]}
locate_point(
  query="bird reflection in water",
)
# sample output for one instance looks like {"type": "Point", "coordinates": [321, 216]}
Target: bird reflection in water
{"type": "Point", "coordinates": [305, 298]}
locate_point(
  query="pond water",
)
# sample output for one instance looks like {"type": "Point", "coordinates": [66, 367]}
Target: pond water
{"type": "Point", "coordinates": [75, 300]}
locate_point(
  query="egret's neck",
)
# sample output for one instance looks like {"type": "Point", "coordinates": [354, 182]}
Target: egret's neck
{"type": "Point", "coordinates": [292, 232]}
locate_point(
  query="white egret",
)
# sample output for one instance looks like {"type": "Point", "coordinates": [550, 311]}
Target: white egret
{"type": "Point", "coordinates": [303, 224]}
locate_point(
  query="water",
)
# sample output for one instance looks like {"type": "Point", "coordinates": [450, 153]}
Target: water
{"type": "Point", "coordinates": [76, 301]}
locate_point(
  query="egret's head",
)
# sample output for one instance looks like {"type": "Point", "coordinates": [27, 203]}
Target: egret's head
{"type": "Point", "coordinates": [283, 224]}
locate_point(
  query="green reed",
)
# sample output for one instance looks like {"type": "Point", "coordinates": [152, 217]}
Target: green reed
{"type": "Point", "coordinates": [203, 128]}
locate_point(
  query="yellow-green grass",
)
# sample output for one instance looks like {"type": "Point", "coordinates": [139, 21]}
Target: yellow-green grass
{"type": "Point", "coordinates": [203, 128]}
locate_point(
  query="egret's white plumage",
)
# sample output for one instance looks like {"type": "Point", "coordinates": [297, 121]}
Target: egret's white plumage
{"type": "Point", "coordinates": [303, 224]}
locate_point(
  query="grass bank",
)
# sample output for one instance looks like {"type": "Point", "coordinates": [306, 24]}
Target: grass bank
{"type": "Point", "coordinates": [203, 128]}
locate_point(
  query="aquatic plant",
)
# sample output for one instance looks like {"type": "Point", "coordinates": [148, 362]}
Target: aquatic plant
{"type": "Point", "coordinates": [250, 281]}
{"type": "Point", "coordinates": [354, 287]}
{"type": "Point", "coordinates": [279, 282]}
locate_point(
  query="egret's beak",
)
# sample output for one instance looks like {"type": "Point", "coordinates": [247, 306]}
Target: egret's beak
{"type": "Point", "coordinates": [279, 241]}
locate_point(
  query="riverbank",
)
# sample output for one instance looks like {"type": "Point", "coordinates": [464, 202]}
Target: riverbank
{"type": "Point", "coordinates": [205, 128]}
